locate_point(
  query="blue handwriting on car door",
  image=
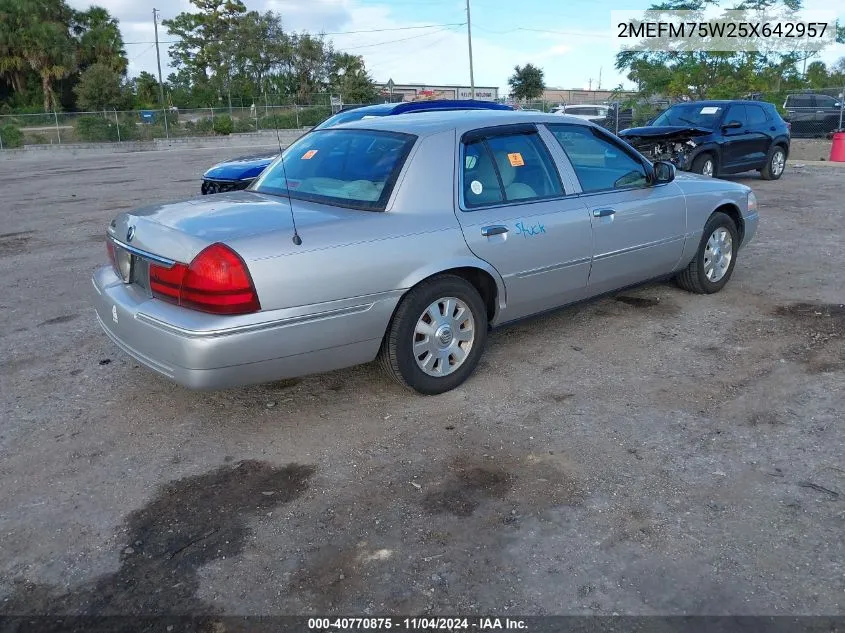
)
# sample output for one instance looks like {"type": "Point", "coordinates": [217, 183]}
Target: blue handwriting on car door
{"type": "Point", "coordinates": [529, 231]}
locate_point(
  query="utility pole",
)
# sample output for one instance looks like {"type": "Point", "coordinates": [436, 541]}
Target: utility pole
{"type": "Point", "coordinates": [469, 41]}
{"type": "Point", "coordinates": [160, 82]}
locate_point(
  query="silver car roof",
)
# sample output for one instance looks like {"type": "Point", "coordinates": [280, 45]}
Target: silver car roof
{"type": "Point", "coordinates": [428, 123]}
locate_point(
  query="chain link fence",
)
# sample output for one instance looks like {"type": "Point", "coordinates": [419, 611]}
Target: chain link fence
{"type": "Point", "coordinates": [811, 114]}
{"type": "Point", "coordinates": [116, 126]}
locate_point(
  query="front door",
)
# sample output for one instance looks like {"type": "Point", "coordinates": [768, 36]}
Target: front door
{"type": "Point", "coordinates": [638, 229]}
{"type": "Point", "coordinates": [738, 146]}
{"type": "Point", "coordinates": [516, 215]}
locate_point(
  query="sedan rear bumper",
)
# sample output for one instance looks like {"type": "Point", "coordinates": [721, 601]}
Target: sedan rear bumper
{"type": "Point", "coordinates": [202, 351]}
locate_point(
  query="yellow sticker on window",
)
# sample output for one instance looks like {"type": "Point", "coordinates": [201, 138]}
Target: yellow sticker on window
{"type": "Point", "coordinates": [516, 159]}
{"type": "Point", "coordinates": [309, 154]}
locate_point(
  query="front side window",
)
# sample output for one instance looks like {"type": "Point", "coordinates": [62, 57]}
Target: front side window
{"type": "Point", "coordinates": [823, 101]}
{"type": "Point", "coordinates": [508, 168]}
{"type": "Point", "coordinates": [346, 167]}
{"type": "Point", "coordinates": [600, 164]}
{"type": "Point", "coordinates": [736, 113]}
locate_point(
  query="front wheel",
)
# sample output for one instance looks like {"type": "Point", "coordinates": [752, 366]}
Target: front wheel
{"type": "Point", "coordinates": [714, 261]}
{"type": "Point", "coordinates": [775, 164]}
{"type": "Point", "coordinates": [437, 335]}
{"type": "Point", "coordinates": [705, 165]}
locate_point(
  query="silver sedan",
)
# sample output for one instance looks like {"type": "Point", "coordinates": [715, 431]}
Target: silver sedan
{"type": "Point", "coordinates": [406, 239]}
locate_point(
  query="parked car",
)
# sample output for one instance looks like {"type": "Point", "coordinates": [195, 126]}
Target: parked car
{"type": "Point", "coordinates": [238, 173]}
{"type": "Point", "coordinates": [590, 112]}
{"type": "Point", "coordinates": [812, 114]}
{"type": "Point", "coordinates": [715, 138]}
{"type": "Point", "coordinates": [406, 239]}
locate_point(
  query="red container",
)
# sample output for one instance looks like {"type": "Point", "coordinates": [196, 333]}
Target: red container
{"type": "Point", "coordinates": [837, 149]}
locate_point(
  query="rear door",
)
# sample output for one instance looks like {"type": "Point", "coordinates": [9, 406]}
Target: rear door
{"type": "Point", "coordinates": [516, 214]}
{"type": "Point", "coordinates": [638, 229]}
{"type": "Point", "coordinates": [761, 131]}
{"type": "Point", "coordinates": [736, 147]}
{"type": "Point", "coordinates": [800, 112]}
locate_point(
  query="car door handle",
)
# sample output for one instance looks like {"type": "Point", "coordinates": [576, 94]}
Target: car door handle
{"type": "Point", "coordinates": [488, 231]}
{"type": "Point", "coordinates": [603, 213]}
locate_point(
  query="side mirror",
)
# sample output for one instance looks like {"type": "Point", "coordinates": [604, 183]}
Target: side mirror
{"type": "Point", "coordinates": [664, 172]}
{"type": "Point", "coordinates": [732, 125]}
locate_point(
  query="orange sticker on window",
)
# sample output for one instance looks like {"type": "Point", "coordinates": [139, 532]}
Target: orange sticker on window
{"type": "Point", "coordinates": [309, 154]}
{"type": "Point", "coordinates": [516, 159]}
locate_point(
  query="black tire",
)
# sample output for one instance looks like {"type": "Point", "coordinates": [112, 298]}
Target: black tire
{"type": "Point", "coordinates": [700, 161]}
{"type": "Point", "coordinates": [397, 355]}
{"type": "Point", "coordinates": [693, 277]}
{"type": "Point", "coordinates": [770, 171]}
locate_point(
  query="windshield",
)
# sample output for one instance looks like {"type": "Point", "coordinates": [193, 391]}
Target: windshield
{"type": "Point", "coordinates": [348, 168]}
{"type": "Point", "coordinates": [691, 114]}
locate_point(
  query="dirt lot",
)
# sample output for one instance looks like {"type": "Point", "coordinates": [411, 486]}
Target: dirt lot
{"type": "Point", "coordinates": [657, 452]}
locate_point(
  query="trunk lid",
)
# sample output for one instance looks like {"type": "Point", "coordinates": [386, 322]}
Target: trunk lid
{"type": "Point", "coordinates": [179, 230]}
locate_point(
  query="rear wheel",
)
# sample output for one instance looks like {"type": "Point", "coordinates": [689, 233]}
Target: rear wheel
{"type": "Point", "coordinates": [705, 165]}
{"type": "Point", "coordinates": [714, 262]}
{"type": "Point", "coordinates": [775, 163]}
{"type": "Point", "coordinates": [437, 335]}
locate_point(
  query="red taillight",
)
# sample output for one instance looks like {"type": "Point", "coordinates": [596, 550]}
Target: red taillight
{"type": "Point", "coordinates": [216, 281]}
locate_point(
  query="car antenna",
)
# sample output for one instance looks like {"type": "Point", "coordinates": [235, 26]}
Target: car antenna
{"type": "Point", "coordinates": [296, 239]}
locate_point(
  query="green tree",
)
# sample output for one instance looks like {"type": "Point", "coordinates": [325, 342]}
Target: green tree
{"type": "Point", "coordinates": [348, 76]}
{"type": "Point", "coordinates": [34, 36]}
{"type": "Point", "coordinates": [309, 65]}
{"type": "Point", "coordinates": [145, 89]}
{"type": "Point", "coordinates": [99, 88]}
{"type": "Point", "coordinates": [208, 41]}
{"type": "Point", "coordinates": [99, 40]}
{"type": "Point", "coordinates": [714, 74]}
{"type": "Point", "coordinates": [527, 82]}
{"type": "Point", "coordinates": [817, 75]}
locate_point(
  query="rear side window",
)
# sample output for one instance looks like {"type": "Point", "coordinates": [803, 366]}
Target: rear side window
{"type": "Point", "coordinates": [600, 164]}
{"type": "Point", "coordinates": [756, 115]}
{"type": "Point", "coordinates": [347, 168]}
{"type": "Point", "coordinates": [799, 101]}
{"type": "Point", "coordinates": [508, 168]}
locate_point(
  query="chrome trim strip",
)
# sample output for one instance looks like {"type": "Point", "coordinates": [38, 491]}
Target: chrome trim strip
{"type": "Point", "coordinates": [638, 247]}
{"type": "Point", "coordinates": [546, 269]}
{"type": "Point", "coordinates": [255, 327]}
{"type": "Point", "coordinates": [137, 251]}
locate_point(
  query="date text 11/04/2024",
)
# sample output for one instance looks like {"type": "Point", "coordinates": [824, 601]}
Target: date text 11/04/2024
{"type": "Point", "coordinates": [415, 624]}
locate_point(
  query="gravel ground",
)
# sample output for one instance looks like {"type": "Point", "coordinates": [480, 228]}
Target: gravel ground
{"type": "Point", "coordinates": [651, 453]}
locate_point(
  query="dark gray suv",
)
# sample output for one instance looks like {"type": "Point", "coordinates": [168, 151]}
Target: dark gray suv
{"type": "Point", "coordinates": [812, 114]}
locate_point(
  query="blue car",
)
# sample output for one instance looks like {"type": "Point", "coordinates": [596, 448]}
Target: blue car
{"type": "Point", "coordinates": [238, 173]}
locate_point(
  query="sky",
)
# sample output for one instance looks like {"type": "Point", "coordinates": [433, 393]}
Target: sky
{"type": "Point", "coordinates": [425, 41]}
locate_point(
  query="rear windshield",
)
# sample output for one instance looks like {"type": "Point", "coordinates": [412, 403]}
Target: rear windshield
{"type": "Point", "coordinates": [347, 168]}
{"type": "Point", "coordinates": [346, 117]}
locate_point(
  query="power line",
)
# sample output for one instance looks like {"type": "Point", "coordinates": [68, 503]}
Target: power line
{"type": "Point", "coordinates": [404, 39]}
{"type": "Point", "coordinates": [401, 28]}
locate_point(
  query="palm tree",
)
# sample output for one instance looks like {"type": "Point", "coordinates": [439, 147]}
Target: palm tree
{"type": "Point", "coordinates": [49, 52]}
{"type": "Point", "coordinates": [99, 40]}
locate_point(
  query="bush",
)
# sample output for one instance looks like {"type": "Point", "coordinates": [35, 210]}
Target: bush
{"type": "Point", "coordinates": [244, 125]}
{"type": "Point", "coordinates": [11, 136]}
{"type": "Point", "coordinates": [223, 124]}
{"type": "Point", "coordinates": [98, 129]}
{"type": "Point", "coordinates": [308, 117]}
